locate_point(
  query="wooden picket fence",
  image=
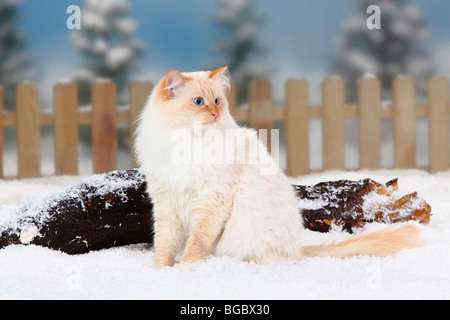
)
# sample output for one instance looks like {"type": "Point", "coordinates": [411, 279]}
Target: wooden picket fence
{"type": "Point", "coordinates": [104, 116]}
{"type": "Point", "coordinates": [368, 110]}
{"type": "Point", "coordinates": [66, 118]}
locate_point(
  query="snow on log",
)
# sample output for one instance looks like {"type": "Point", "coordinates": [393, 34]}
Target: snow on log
{"type": "Point", "coordinates": [349, 205]}
{"type": "Point", "coordinates": [114, 209]}
{"type": "Point", "coordinates": [104, 211]}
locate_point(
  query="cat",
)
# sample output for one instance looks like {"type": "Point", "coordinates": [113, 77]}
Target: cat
{"type": "Point", "coordinates": [226, 208]}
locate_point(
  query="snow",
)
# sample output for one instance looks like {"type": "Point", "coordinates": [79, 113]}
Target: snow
{"type": "Point", "coordinates": [362, 61]}
{"type": "Point", "coordinates": [94, 20]}
{"type": "Point", "coordinates": [107, 6]}
{"type": "Point", "coordinates": [368, 75]}
{"type": "Point", "coordinates": [32, 272]}
{"type": "Point", "coordinates": [126, 26]}
{"type": "Point", "coordinates": [116, 57]}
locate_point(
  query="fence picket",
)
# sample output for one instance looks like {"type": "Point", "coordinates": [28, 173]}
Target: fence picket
{"type": "Point", "coordinates": [104, 130]}
{"type": "Point", "coordinates": [1, 132]}
{"type": "Point", "coordinates": [334, 124]}
{"type": "Point", "coordinates": [404, 122]}
{"type": "Point", "coordinates": [369, 98]}
{"type": "Point", "coordinates": [28, 131]}
{"type": "Point", "coordinates": [297, 127]}
{"type": "Point", "coordinates": [260, 104]}
{"type": "Point", "coordinates": [232, 99]}
{"type": "Point", "coordinates": [66, 128]}
{"type": "Point", "coordinates": [139, 93]}
{"type": "Point", "coordinates": [438, 124]}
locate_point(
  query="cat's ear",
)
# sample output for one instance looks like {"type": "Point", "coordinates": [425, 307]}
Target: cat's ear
{"type": "Point", "coordinates": [173, 81]}
{"type": "Point", "coordinates": [219, 72]}
{"type": "Point", "coordinates": [221, 76]}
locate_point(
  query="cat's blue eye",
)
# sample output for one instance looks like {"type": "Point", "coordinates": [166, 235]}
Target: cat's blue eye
{"type": "Point", "coordinates": [199, 101]}
{"type": "Point", "coordinates": [217, 101]}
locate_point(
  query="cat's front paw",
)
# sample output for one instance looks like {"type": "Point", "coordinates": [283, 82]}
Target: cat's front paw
{"type": "Point", "coordinates": [188, 266]}
{"type": "Point", "coordinates": [191, 256]}
{"type": "Point", "coordinates": [161, 264]}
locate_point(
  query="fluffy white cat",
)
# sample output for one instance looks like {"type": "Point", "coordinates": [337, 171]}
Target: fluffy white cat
{"type": "Point", "coordinates": [234, 201]}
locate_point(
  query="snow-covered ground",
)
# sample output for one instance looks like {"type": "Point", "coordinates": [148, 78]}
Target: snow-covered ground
{"type": "Point", "coordinates": [31, 272]}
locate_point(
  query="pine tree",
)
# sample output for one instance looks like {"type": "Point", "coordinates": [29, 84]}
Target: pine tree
{"type": "Point", "coordinates": [398, 48]}
{"type": "Point", "coordinates": [239, 47]}
{"type": "Point", "coordinates": [108, 44]}
{"type": "Point", "coordinates": [15, 62]}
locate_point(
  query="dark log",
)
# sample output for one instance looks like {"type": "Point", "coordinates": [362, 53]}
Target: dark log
{"type": "Point", "coordinates": [349, 205]}
{"type": "Point", "coordinates": [113, 209]}
{"type": "Point", "coordinates": [106, 211]}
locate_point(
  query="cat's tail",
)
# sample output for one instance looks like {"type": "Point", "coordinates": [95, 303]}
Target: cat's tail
{"type": "Point", "coordinates": [382, 243]}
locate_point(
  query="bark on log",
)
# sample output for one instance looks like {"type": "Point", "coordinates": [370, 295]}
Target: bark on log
{"type": "Point", "coordinates": [113, 209]}
{"type": "Point", "coordinates": [106, 211]}
{"type": "Point", "coordinates": [351, 204]}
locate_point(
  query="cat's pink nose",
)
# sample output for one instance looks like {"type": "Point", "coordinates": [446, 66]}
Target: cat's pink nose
{"type": "Point", "coordinates": [215, 114]}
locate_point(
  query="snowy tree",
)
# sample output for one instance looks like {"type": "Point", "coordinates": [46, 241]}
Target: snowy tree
{"type": "Point", "coordinates": [238, 46]}
{"type": "Point", "coordinates": [398, 48]}
{"type": "Point", "coordinates": [107, 40]}
{"type": "Point", "coordinates": [15, 62]}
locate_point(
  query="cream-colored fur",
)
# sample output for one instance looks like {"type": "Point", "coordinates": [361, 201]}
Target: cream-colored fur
{"type": "Point", "coordinates": [386, 242]}
{"type": "Point", "coordinates": [245, 209]}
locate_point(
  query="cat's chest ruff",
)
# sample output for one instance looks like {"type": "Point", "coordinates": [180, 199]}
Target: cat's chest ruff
{"type": "Point", "coordinates": [180, 177]}
{"type": "Point", "coordinates": [176, 166]}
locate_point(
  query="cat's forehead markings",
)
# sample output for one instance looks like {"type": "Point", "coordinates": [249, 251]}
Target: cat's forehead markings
{"type": "Point", "coordinates": [207, 89]}
{"type": "Point", "coordinates": [202, 82]}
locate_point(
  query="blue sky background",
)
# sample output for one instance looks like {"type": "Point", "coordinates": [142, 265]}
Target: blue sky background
{"type": "Point", "coordinates": [179, 34]}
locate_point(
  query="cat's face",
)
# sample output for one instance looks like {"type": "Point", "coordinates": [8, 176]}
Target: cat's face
{"type": "Point", "coordinates": [194, 97]}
